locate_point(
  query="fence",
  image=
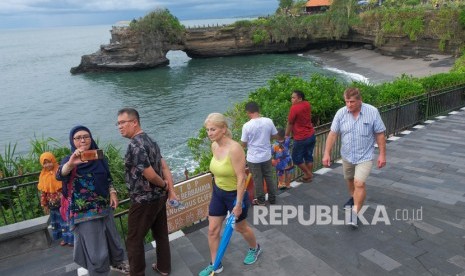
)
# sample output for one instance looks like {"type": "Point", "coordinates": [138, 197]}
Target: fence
{"type": "Point", "coordinates": [407, 113]}
{"type": "Point", "coordinates": [19, 200]}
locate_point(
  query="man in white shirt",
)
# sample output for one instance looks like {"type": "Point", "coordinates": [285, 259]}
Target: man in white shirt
{"type": "Point", "coordinates": [256, 137]}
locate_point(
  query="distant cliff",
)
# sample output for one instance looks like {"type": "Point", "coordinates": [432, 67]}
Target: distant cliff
{"type": "Point", "coordinates": [130, 50]}
{"type": "Point", "coordinates": [127, 51]}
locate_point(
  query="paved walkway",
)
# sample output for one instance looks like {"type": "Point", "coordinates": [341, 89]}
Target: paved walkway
{"type": "Point", "coordinates": [421, 190]}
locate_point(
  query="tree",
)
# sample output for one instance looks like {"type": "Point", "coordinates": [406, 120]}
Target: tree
{"type": "Point", "coordinates": [284, 6]}
{"type": "Point", "coordinates": [160, 21]}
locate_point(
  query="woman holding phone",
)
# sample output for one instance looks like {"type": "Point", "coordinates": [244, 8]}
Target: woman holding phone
{"type": "Point", "coordinates": [92, 198]}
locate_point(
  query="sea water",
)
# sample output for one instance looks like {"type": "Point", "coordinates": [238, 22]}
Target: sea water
{"type": "Point", "coordinates": [39, 98]}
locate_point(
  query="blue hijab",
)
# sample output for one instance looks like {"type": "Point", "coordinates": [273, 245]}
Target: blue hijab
{"type": "Point", "coordinates": [98, 169]}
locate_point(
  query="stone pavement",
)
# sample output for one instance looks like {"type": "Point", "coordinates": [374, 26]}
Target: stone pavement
{"type": "Point", "coordinates": [418, 199]}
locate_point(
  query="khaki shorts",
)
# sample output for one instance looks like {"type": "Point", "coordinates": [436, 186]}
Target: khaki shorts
{"type": "Point", "coordinates": [356, 171]}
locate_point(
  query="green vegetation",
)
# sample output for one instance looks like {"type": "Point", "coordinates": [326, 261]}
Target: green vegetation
{"type": "Point", "coordinates": [459, 65]}
{"type": "Point", "coordinates": [325, 95]}
{"type": "Point", "coordinates": [394, 18]}
{"type": "Point", "coordinates": [290, 7]}
{"type": "Point", "coordinates": [260, 37]}
{"type": "Point", "coordinates": [160, 22]}
{"type": "Point", "coordinates": [462, 17]}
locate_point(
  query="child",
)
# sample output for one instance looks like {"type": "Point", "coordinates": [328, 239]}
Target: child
{"type": "Point", "coordinates": [50, 198]}
{"type": "Point", "coordinates": [51, 193]}
{"type": "Point", "coordinates": [281, 159]}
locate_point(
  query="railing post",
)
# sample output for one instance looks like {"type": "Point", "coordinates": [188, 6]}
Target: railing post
{"type": "Point", "coordinates": [19, 200]}
{"type": "Point", "coordinates": [427, 105]}
{"type": "Point", "coordinates": [396, 119]}
{"type": "Point", "coordinates": [12, 208]}
{"type": "Point", "coordinates": [3, 213]}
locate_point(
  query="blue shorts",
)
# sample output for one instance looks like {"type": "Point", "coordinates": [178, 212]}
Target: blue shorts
{"type": "Point", "coordinates": [223, 201]}
{"type": "Point", "coordinates": [303, 150]}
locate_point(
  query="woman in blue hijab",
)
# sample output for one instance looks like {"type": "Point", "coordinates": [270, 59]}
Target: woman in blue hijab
{"type": "Point", "coordinates": [88, 185]}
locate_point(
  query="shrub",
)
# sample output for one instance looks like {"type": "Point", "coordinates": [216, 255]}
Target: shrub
{"type": "Point", "coordinates": [443, 80]}
{"type": "Point", "coordinates": [402, 88]}
{"type": "Point", "coordinates": [243, 24]}
{"type": "Point", "coordinates": [160, 22]}
{"type": "Point", "coordinates": [260, 36]}
{"type": "Point", "coordinates": [462, 18]}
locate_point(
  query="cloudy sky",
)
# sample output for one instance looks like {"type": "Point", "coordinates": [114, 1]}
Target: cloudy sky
{"type": "Point", "coordinates": [51, 13]}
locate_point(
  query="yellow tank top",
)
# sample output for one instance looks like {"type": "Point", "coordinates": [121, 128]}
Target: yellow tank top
{"type": "Point", "coordinates": [225, 176]}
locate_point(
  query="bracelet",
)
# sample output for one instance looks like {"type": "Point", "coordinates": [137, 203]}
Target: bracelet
{"type": "Point", "coordinates": [112, 190]}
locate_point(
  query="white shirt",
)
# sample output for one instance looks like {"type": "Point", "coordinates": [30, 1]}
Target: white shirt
{"type": "Point", "coordinates": [257, 134]}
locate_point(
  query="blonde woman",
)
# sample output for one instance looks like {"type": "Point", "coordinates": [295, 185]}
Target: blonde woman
{"type": "Point", "coordinates": [228, 167]}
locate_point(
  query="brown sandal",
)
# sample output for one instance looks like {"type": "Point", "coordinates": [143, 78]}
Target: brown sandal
{"type": "Point", "coordinates": [305, 179]}
{"type": "Point", "coordinates": [155, 268]}
{"type": "Point", "coordinates": [63, 243]}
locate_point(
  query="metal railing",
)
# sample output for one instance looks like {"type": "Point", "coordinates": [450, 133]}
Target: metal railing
{"type": "Point", "coordinates": [409, 112]}
{"type": "Point", "coordinates": [20, 199]}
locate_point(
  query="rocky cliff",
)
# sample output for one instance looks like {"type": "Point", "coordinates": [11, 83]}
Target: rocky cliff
{"type": "Point", "coordinates": [127, 51]}
{"type": "Point", "coordinates": [131, 51]}
{"type": "Point", "coordinates": [228, 41]}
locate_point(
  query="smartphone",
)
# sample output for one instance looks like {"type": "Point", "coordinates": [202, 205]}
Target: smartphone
{"type": "Point", "coordinates": [89, 155]}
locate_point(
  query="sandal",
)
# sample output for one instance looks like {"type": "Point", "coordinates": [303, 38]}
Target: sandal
{"type": "Point", "coordinates": [305, 179]}
{"type": "Point", "coordinates": [63, 243]}
{"type": "Point", "coordinates": [155, 268]}
{"type": "Point", "coordinates": [258, 202]}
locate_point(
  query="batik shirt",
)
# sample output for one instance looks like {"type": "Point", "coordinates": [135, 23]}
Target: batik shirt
{"type": "Point", "coordinates": [86, 204]}
{"type": "Point", "coordinates": [142, 153]}
{"type": "Point", "coordinates": [280, 150]}
{"type": "Point", "coordinates": [50, 200]}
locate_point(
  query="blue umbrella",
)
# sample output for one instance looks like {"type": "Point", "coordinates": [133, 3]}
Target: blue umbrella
{"type": "Point", "coordinates": [227, 233]}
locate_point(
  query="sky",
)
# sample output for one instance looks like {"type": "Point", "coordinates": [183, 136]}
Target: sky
{"type": "Point", "coordinates": [55, 13]}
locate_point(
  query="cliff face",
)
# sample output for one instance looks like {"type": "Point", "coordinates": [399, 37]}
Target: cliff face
{"type": "Point", "coordinates": [126, 51]}
{"type": "Point", "coordinates": [401, 45]}
{"type": "Point", "coordinates": [129, 51]}
{"type": "Point", "coordinates": [220, 42]}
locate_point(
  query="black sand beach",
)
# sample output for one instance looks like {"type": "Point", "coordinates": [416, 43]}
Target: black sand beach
{"type": "Point", "coordinates": [378, 68]}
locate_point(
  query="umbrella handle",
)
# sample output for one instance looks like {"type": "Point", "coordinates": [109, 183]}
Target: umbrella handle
{"type": "Point", "coordinates": [247, 181]}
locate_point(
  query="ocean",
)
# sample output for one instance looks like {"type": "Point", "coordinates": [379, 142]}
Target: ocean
{"type": "Point", "coordinates": [41, 99]}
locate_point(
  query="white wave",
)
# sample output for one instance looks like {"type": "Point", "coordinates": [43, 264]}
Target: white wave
{"type": "Point", "coordinates": [349, 75]}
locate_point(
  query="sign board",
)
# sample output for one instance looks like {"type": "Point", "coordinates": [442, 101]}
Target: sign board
{"type": "Point", "coordinates": [195, 194]}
